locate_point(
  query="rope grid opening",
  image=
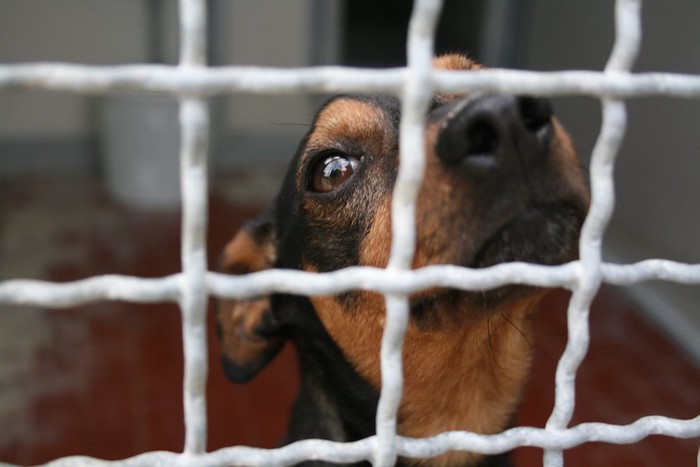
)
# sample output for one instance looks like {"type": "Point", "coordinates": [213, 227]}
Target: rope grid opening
{"type": "Point", "coordinates": [193, 82]}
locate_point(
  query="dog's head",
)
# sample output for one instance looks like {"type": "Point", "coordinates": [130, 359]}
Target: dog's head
{"type": "Point", "coordinates": [502, 183]}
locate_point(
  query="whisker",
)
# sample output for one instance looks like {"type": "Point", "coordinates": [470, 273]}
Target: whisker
{"type": "Point", "coordinates": [493, 353]}
{"type": "Point", "coordinates": [524, 336]}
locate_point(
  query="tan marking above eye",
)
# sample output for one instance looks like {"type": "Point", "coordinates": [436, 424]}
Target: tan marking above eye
{"type": "Point", "coordinates": [348, 118]}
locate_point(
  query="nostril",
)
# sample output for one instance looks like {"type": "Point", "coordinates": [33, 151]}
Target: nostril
{"type": "Point", "coordinates": [482, 138]}
{"type": "Point", "coordinates": [493, 132]}
{"type": "Point", "coordinates": [536, 113]}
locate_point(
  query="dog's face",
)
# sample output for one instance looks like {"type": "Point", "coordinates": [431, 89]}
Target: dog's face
{"type": "Point", "coordinates": [502, 183]}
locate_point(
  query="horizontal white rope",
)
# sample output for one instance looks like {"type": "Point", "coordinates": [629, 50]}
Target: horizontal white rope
{"type": "Point", "coordinates": [80, 292]}
{"type": "Point", "coordinates": [86, 79]}
{"type": "Point", "coordinates": [315, 449]}
{"type": "Point", "coordinates": [167, 289]}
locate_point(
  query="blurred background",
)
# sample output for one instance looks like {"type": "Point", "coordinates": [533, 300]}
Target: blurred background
{"type": "Point", "coordinates": [89, 185]}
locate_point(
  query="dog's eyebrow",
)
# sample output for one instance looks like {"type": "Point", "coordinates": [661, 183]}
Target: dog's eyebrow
{"type": "Point", "coordinates": [344, 119]}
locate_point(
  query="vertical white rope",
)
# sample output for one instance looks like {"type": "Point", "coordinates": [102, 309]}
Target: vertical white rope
{"type": "Point", "coordinates": [416, 97]}
{"type": "Point", "coordinates": [417, 94]}
{"type": "Point", "coordinates": [194, 119]}
{"type": "Point", "coordinates": [193, 32]}
{"type": "Point", "coordinates": [614, 122]}
{"type": "Point", "coordinates": [194, 141]}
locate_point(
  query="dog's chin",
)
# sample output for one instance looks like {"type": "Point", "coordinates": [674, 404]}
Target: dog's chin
{"type": "Point", "coordinates": [541, 234]}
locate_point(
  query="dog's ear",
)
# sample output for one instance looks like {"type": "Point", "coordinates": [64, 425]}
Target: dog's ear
{"type": "Point", "coordinates": [246, 328]}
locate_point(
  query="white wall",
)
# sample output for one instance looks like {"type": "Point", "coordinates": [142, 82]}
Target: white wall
{"type": "Point", "coordinates": [93, 32]}
{"type": "Point", "coordinates": [269, 33]}
{"type": "Point", "coordinates": [244, 32]}
{"type": "Point", "coordinates": [257, 129]}
{"type": "Point", "coordinates": [658, 171]}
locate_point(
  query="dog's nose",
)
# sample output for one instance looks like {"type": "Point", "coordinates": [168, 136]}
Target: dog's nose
{"type": "Point", "coordinates": [494, 132]}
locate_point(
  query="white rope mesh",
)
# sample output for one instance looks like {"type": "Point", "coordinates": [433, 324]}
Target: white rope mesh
{"type": "Point", "coordinates": [193, 82]}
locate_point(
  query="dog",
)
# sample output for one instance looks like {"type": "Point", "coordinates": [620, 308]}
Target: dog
{"type": "Point", "coordinates": [502, 183]}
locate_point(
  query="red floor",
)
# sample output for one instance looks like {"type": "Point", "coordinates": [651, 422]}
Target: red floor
{"type": "Point", "coordinates": [105, 380]}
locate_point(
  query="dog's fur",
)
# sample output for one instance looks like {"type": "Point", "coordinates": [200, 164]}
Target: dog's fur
{"type": "Point", "coordinates": [502, 183]}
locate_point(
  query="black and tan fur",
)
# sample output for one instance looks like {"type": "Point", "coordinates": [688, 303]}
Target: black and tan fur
{"type": "Point", "coordinates": [502, 183]}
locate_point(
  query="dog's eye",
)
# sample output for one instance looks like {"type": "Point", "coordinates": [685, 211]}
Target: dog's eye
{"type": "Point", "coordinates": [331, 172]}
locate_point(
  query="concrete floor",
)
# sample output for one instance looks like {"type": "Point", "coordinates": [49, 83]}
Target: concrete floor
{"type": "Point", "coordinates": [105, 379]}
